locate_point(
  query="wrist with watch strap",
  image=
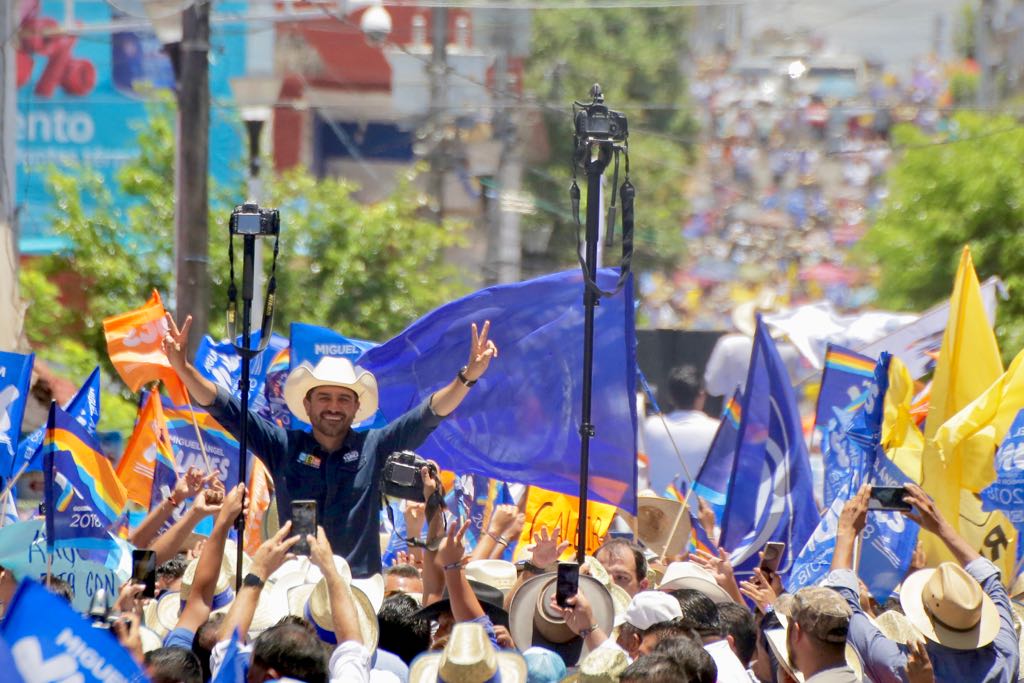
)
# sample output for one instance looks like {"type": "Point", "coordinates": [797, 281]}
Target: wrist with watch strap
{"type": "Point", "coordinates": [252, 581]}
{"type": "Point", "coordinates": [466, 381]}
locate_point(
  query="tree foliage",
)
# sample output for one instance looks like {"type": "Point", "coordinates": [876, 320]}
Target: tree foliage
{"type": "Point", "coordinates": [367, 271]}
{"type": "Point", "coordinates": [965, 188]}
{"type": "Point", "coordinates": [637, 55]}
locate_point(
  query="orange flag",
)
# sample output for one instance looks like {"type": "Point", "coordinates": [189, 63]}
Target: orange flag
{"type": "Point", "coordinates": [134, 345]}
{"type": "Point", "coordinates": [260, 492]}
{"type": "Point", "coordinates": [149, 456]}
{"type": "Point", "coordinates": [550, 509]}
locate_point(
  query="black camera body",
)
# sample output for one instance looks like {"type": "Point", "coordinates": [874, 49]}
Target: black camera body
{"type": "Point", "coordinates": [402, 477]}
{"type": "Point", "coordinates": [596, 121]}
{"type": "Point", "coordinates": [250, 219]}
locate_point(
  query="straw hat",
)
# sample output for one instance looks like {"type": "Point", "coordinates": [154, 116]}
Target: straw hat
{"type": "Point", "coordinates": [224, 590]}
{"type": "Point", "coordinates": [313, 602]}
{"type": "Point", "coordinates": [663, 525]}
{"type": "Point", "coordinates": [777, 641]}
{"type": "Point", "coordinates": [469, 657]}
{"type": "Point", "coordinates": [692, 575]}
{"type": "Point", "coordinates": [603, 665]}
{"type": "Point", "coordinates": [532, 621]}
{"type": "Point", "coordinates": [161, 616]}
{"type": "Point", "coordinates": [270, 609]}
{"type": "Point", "coordinates": [373, 588]}
{"type": "Point", "coordinates": [150, 640]}
{"type": "Point", "coordinates": [499, 574]}
{"type": "Point", "coordinates": [949, 607]}
{"type": "Point", "coordinates": [896, 627]}
{"type": "Point", "coordinates": [331, 372]}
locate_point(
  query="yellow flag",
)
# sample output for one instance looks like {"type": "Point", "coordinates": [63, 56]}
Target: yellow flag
{"type": "Point", "coordinates": [901, 439]}
{"type": "Point", "coordinates": [550, 509]}
{"type": "Point", "coordinates": [968, 364]}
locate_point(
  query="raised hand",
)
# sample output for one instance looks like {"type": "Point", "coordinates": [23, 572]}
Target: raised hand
{"type": "Point", "coordinates": [231, 507]}
{"type": "Point", "coordinates": [719, 566]}
{"type": "Point", "coordinates": [452, 549]}
{"type": "Point", "coordinates": [759, 590]}
{"type": "Point", "coordinates": [547, 548]}
{"type": "Point", "coordinates": [175, 343]}
{"type": "Point", "coordinates": [503, 517]}
{"type": "Point", "coordinates": [919, 665]}
{"type": "Point", "coordinates": [188, 484]}
{"type": "Point", "coordinates": [273, 552]}
{"type": "Point", "coordinates": [320, 552]}
{"type": "Point", "coordinates": [481, 351]}
{"type": "Point", "coordinates": [926, 513]}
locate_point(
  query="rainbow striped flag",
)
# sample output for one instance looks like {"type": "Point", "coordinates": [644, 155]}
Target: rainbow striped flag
{"type": "Point", "coordinates": [83, 497]}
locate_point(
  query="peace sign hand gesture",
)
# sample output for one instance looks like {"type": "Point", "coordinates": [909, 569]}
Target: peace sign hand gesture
{"type": "Point", "coordinates": [175, 343]}
{"type": "Point", "coordinates": [481, 352]}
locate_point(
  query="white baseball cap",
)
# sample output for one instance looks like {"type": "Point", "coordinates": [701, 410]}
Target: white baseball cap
{"type": "Point", "coordinates": [648, 608]}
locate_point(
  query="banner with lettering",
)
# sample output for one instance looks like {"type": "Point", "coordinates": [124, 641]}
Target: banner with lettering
{"type": "Point", "coordinates": [1006, 493]}
{"type": "Point", "coordinates": [15, 378]}
{"type": "Point", "coordinates": [550, 509]}
{"type": "Point", "coordinates": [220, 363]}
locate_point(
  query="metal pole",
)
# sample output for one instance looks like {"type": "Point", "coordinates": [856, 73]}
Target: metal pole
{"type": "Point", "coordinates": [438, 100]}
{"type": "Point", "coordinates": [594, 168]}
{"type": "Point", "coordinates": [254, 193]}
{"type": "Point", "coordinates": [248, 259]}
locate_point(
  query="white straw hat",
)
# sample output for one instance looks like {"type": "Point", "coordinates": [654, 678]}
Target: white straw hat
{"type": "Point", "coordinates": [331, 372]}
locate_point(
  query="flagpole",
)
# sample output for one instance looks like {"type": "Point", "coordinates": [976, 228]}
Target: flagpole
{"type": "Point", "coordinates": [14, 479]}
{"type": "Point", "coordinates": [3, 506]}
{"type": "Point", "coordinates": [199, 434]}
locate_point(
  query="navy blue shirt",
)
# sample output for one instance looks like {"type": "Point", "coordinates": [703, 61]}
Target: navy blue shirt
{"type": "Point", "coordinates": [344, 483]}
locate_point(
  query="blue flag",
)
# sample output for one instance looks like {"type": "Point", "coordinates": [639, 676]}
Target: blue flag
{"type": "Point", "coordinates": [310, 343]}
{"type": "Point", "coordinates": [232, 668]}
{"type": "Point", "coordinates": [8, 665]}
{"type": "Point", "coordinates": [521, 422]}
{"type": "Point", "coordinates": [712, 482]}
{"type": "Point", "coordinates": [63, 646]}
{"type": "Point", "coordinates": [15, 379]}
{"type": "Point", "coordinates": [396, 531]}
{"type": "Point", "coordinates": [815, 559]}
{"type": "Point", "coordinates": [771, 451]}
{"type": "Point", "coordinates": [84, 407]}
{"type": "Point", "coordinates": [221, 446]}
{"type": "Point", "coordinates": [889, 538]}
{"type": "Point", "coordinates": [1006, 493]}
{"type": "Point", "coordinates": [221, 364]}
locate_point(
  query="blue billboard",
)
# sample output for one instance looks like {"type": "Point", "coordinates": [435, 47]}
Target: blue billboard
{"type": "Point", "coordinates": [82, 97]}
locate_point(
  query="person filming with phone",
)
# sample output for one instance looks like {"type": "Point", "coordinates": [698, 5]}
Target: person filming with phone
{"type": "Point", "coordinates": [338, 468]}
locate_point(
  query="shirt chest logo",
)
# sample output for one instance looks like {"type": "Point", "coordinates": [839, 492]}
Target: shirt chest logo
{"type": "Point", "coordinates": [350, 457]}
{"type": "Point", "coordinates": [309, 460]}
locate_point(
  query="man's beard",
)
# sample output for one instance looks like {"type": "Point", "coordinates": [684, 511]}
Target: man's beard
{"type": "Point", "coordinates": [331, 427]}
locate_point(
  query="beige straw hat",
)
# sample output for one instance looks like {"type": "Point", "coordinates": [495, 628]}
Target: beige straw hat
{"type": "Point", "coordinates": [469, 657]}
{"type": "Point", "coordinates": [949, 607]}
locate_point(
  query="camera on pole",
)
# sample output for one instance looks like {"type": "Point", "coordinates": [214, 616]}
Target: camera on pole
{"type": "Point", "coordinates": [249, 221]}
{"type": "Point", "coordinates": [600, 138]}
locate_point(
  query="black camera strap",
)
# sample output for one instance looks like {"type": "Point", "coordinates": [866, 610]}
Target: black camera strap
{"type": "Point", "coordinates": [267, 323]}
{"type": "Point", "coordinates": [435, 504]}
{"type": "Point", "coordinates": [626, 194]}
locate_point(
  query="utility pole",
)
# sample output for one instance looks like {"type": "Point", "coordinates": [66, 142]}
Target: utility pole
{"type": "Point", "coordinates": [12, 312]}
{"type": "Point", "coordinates": [504, 248]}
{"type": "Point", "coordinates": [191, 235]}
{"type": "Point", "coordinates": [438, 102]}
{"type": "Point", "coordinates": [984, 39]}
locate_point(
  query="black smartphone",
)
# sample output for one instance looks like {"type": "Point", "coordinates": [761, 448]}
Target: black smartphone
{"type": "Point", "coordinates": [303, 522]}
{"type": "Point", "coordinates": [772, 556]}
{"type": "Point", "coordinates": [144, 571]}
{"type": "Point", "coordinates": [568, 582]}
{"type": "Point", "coordinates": [889, 498]}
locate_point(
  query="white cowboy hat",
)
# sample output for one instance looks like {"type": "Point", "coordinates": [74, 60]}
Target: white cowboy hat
{"type": "Point", "coordinates": [468, 657]}
{"type": "Point", "coordinates": [663, 525]}
{"type": "Point", "coordinates": [692, 575]}
{"type": "Point", "coordinates": [532, 621]}
{"type": "Point", "coordinates": [224, 591]}
{"type": "Point", "coordinates": [373, 588]}
{"type": "Point", "coordinates": [161, 616]}
{"type": "Point", "coordinates": [499, 574]}
{"type": "Point", "coordinates": [313, 603]}
{"type": "Point", "coordinates": [270, 609]}
{"type": "Point", "coordinates": [150, 640]}
{"type": "Point", "coordinates": [331, 372]}
{"type": "Point", "coordinates": [949, 607]}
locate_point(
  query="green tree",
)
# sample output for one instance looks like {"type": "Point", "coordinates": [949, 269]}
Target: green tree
{"type": "Point", "coordinates": [637, 55]}
{"type": "Point", "coordinates": [367, 271]}
{"type": "Point", "coordinates": [963, 188]}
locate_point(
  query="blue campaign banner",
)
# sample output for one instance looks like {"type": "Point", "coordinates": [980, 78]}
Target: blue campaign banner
{"type": "Point", "coordinates": [309, 343]}
{"type": "Point", "coordinates": [63, 646]}
{"type": "Point", "coordinates": [221, 364]}
{"type": "Point", "coordinates": [221, 447]}
{"type": "Point", "coordinates": [15, 378]}
{"type": "Point", "coordinates": [712, 482]}
{"type": "Point", "coordinates": [83, 406]}
{"type": "Point", "coordinates": [1006, 493]}
{"type": "Point", "coordinates": [815, 559]}
{"type": "Point", "coordinates": [81, 96]}
{"type": "Point", "coordinates": [889, 538]}
{"type": "Point", "coordinates": [521, 422]}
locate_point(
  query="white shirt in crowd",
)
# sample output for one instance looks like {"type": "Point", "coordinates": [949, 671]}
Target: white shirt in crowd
{"type": "Point", "coordinates": [730, 669]}
{"type": "Point", "coordinates": [692, 431]}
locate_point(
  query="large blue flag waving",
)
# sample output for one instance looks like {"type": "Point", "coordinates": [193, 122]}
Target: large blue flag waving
{"type": "Point", "coordinates": [712, 483]}
{"type": "Point", "coordinates": [770, 451]}
{"type": "Point", "coordinates": [15, 378]}
{"type": "Point", "coordinates": [84, 407]}
{"type": "Point", "coordinates": [521, 422]}
{"type": "Point", "coordinates": [49, 641]}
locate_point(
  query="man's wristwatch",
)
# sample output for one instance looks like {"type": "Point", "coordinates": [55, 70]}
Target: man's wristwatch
{"type": "Point", "coordinates": [466, 382]}
{"type": "Point", "coordinates": [252, 581]}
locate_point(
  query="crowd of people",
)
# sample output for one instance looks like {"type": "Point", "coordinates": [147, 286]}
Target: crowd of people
{"type": "Point", "coordinates": [322, 606]}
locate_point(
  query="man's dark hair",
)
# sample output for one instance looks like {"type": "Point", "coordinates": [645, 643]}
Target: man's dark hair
{"type": "Point", "coordinates": [204, 640]}
{"type": "Point", "coordinates": [292, 651]}
{"type": "Point", "coordinates": [173, 665]}
{"type": "Point", "coordinates": [296, 620]}
{"type": "Point", "coordinates": [59, 586]}
{"type": "Point", "coordinates": [404, 570]}
{"type": "Point", "coordinates": [700, 613]}
{"type": "Point", "coordinates": [617, 544]}
{"type": "Point", "coordinates": [653, 669]}
{"type": "Point", "coordinates": [400, 631]}
{"type": "Point", "coordinates": [684, 386]}
{"type": "Point", "coordinates": [673, 628]}
{"type": "Point", "coordinates": [694, 662]}
{"type": "Point", "coordinates": [738, 622]}
{"type": "Point", "coordinates": [173, 569]}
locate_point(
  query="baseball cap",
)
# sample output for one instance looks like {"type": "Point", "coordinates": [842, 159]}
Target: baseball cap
{"type": "Point", "coordinates": [822, 612]}
{"type": "Point", "coordinates": [648, 608]}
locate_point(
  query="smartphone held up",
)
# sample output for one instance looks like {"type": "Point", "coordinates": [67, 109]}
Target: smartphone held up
{"type": "Point", "coordinates": [303, 523]}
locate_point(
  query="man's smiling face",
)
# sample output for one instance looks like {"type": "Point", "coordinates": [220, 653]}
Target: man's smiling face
{"type": "Point", "coordinates": [331, 409]}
